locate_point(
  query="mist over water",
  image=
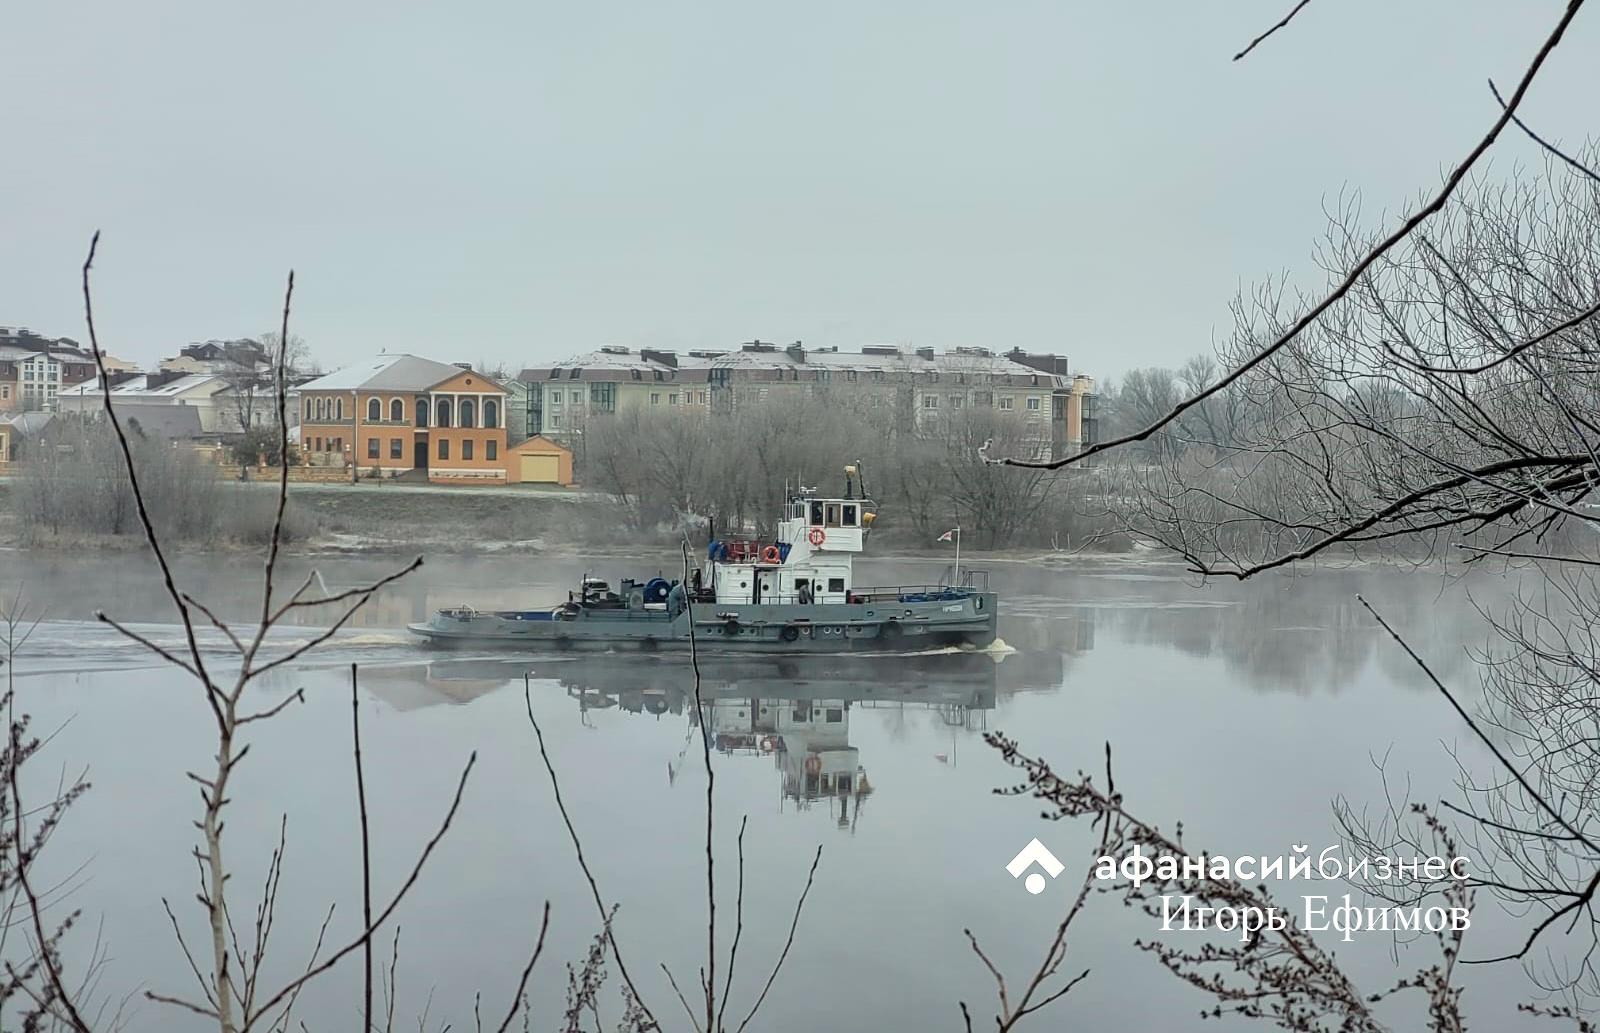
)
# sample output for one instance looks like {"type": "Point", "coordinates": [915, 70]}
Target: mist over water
{"type": "Point", "coordinates": [1241, 710]}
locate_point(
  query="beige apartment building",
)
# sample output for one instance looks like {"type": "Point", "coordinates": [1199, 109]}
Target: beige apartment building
{"type": "Point", "coordinates": [912, 388]}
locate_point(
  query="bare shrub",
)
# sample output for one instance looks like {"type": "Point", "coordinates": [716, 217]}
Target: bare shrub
{"type": "Point", "coordinates": [77, 483]}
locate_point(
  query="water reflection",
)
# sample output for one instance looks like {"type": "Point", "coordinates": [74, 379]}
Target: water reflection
{"type": "Point", "coordinates": [789, 716]}
{"type": "Point", "coordinates": [1274, 693]}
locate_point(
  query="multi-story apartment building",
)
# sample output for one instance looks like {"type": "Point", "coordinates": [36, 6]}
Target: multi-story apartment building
{"type": "Point", "coordinates": [34, 369]}
{"type": "Point", "coordinates": [909, 389]}
{"type": "Point", "coordinates": [220, 357]}
{"type": "Point", "coordinates": [558, 399]}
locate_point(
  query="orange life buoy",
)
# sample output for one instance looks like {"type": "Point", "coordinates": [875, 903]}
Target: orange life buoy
{"type": "Point", "coordinates": [771, 554]}
{"type": "Point", "coordinates": [768, 744]}
{"type": "Point", "coordinates": [813, 764]}
{"type": "Point", "coordinates": [816, 536]}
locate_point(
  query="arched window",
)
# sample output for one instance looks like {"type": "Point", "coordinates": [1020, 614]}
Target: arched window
{"type": "Point", "coordinates": [308, 410]}
{"type": "Point", "coordinates": [422, 412]}
{"type": "Point", "coordinates": [441, 416]}
{"type": "Point", "coordinates": [374, 410]}
{"type": "Point", "coordinates": [491, 414]}
{"type": "Point", "coordinates": [338, 410]}
{"type": "Point", "coordinates": [322, 409]}
{"type": "Point", "coordinates": [466, 410]}
{"type": "Point", "coordinates": [397, 411]}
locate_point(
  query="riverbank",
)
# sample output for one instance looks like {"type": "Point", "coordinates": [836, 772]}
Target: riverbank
{"type": "Point", "coordinates": [393, 518]}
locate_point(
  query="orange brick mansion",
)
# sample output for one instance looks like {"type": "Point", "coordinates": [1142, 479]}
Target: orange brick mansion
{"type": "Point", "coordinates": [398, 413]}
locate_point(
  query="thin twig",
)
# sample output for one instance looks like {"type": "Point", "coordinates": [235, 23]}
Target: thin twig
{"type": "Point", "coordinates": [46, 951]}
{"type": "Point", "coordinates": [1457, 175]}
{"type": "Point", "coordinates": [784, 955]}
{"type": "Point", "coordinates": [1282, 23]}
{"type": "Point", "coordinates": [522, 984]}
{"type": "Point", "coordinates": [577, 846]}
{"type": "Point", "coordinates": [738, 928]}
{"type": "Point", "coordinates": [383, 916]}
{"type": "Point", "coordinates": [366, 848]}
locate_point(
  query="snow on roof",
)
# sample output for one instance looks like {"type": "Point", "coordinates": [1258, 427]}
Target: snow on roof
{"type": "Point", "coordinates": [613, 359]}
{"type": "Point", "coordinates": [898, 362]}
{"type": "Point", "coordinates": [135, 388]}
{"type": "Point", "coordinates": [391, 372]}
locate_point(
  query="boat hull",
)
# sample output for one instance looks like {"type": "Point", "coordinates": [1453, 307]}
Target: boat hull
{"type": "Point", "coordinates": [905, 624]}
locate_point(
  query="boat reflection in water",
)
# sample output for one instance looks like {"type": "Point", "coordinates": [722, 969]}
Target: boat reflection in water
{"type": "Point", "coordinates": [792, 712]}
{"type": "Point", "coordinates": [795, 713]}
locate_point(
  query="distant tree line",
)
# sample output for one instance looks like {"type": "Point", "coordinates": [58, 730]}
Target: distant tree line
{"type": "Point", "coordinates": [679, 468]}
{"type": "Point", "coordinates": [76, 483]}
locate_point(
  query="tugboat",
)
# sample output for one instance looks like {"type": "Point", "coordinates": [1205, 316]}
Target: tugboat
{"type": "Point", "coordinates": [794, 594]}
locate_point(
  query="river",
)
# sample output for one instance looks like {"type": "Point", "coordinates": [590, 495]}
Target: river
{"type": "Point", "coordinates": [1242, 710]}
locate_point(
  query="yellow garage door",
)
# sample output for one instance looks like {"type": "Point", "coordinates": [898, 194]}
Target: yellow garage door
{"type": "Point", "coordinates": [541, 469]}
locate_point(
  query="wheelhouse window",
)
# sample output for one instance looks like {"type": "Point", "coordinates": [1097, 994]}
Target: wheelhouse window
{"type": "Point", "coordinates": [833, 514]}
{"type": "Point", "coordinates": [816, 513]}
{"type": "Point", "coordinates": [848, 517]}
{"type": "Point", "coordinates": [836, 584]}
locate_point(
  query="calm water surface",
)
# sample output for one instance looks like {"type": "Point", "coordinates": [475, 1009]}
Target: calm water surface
{"type": "Point", "coordinates": [1242, 711]}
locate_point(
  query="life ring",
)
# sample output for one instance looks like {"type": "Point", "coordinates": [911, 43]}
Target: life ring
{"type": "Point", "coordinates": [789, 633]}
{"type": "Point", "coordinates": [813, 764]}
{"type": "Point", "coordinates": [816, 536]}
{"type": "Point", "coordinates": [768, 744]}
{"type": "Point", "coordinates": [771, 554]}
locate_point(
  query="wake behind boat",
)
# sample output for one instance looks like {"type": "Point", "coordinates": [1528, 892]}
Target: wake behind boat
{"type": "Point", "coordinates": [794, 594]}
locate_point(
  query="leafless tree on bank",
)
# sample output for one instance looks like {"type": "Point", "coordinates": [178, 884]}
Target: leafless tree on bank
{"type": "Point", "coordinates": [34, 989]}
{"type": "Point", "coordinates": [1441, 392]}
{"type": "Point", "coordinates": [229, 978]}
{"type": "Point", "coordinates": [672, 466]}
{"type": "Point", "coordinates": [1280, 975]}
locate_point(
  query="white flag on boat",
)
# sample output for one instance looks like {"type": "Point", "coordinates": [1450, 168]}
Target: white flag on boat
{"type": "Point", "coordinates": [948, 535]}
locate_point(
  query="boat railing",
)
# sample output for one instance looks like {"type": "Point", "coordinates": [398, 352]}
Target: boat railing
{"type": "Point", "coordinates": [970, 577]}
{"type": "Point", "coordinates": [901, 592]}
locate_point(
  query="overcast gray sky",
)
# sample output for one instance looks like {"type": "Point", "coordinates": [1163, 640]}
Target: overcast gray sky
{"type": "Point", "coordinates": [521, 181]}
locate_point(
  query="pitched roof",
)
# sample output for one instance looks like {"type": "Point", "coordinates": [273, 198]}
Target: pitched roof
{"type": "Point", "coordinates": [25, 424]}
{"type": "Point", "coordinates": [165, 421]}
{"type": "Point", "coordinates": [135, 388]}
{"type": "Point", "coordinates": [389, 372]}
